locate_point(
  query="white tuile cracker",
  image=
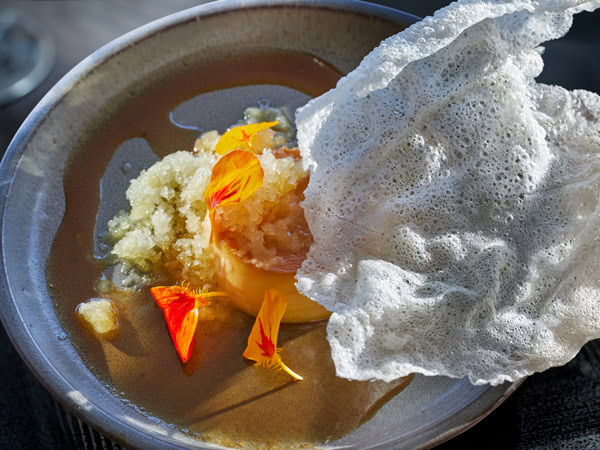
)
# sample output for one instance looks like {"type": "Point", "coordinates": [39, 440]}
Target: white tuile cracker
{"type": "Point", "coordinates": [454, 201]}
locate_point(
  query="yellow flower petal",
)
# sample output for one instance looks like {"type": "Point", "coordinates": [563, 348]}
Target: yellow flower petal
{"type": "Point", "coordinates": [262, 342]}
{"type": "Point", "coordinates": [235, 177]}
{"type": "Point", "coordinates": [242, 137]}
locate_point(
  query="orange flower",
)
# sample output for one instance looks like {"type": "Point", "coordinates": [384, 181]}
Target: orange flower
{"type": "Point", "coordinates": [262, 342]}
{"type": "Point", "coordinates": [235, 177]}
{"type": "Point", "coordinates": [180, 305]}
{"type": "Point", "coordinates": [242, 137]}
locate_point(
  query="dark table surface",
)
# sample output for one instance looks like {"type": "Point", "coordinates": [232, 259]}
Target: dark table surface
{"type": "Point", "coordinates": [556, 409]}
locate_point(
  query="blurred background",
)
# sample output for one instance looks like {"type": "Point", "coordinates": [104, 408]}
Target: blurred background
{"type": "Point", "coordinates": [71, 30]}
{"type": "Point", "coordinates": [40, 41]}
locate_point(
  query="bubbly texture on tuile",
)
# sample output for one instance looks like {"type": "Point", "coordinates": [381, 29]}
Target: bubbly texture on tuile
{"type": "Point", "coordinates": [453, 200]}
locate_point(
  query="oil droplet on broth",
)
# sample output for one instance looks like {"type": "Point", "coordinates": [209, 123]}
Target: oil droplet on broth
{"type": "Point", "coordinates": [141, 363]}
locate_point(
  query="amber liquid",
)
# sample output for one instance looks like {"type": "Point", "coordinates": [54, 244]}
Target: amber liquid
{"type": "Point", "coordinates": [217, 395]}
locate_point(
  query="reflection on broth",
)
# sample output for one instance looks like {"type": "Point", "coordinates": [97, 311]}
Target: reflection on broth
{"type": "Point", "coordinates": [217, 395]}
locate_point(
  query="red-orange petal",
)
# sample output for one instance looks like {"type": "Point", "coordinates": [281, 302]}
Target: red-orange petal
{"type": "Point", "coordinates": [180, 306]}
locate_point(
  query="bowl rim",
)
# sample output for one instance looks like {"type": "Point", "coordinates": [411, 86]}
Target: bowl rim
{"type": "Point", "coordinates": [10, 315]}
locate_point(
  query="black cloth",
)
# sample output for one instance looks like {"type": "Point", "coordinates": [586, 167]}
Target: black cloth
{"type": "Point", "coordinates": [30, 418]}
{"type": "Point", "coordinates": [555, 409]}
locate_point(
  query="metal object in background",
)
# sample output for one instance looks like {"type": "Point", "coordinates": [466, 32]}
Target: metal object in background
{"type": "Point", "coordinates": [27, 53]}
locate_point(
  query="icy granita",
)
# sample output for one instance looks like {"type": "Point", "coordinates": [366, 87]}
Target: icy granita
{"type": "Point", "coordinates": [223, 221]}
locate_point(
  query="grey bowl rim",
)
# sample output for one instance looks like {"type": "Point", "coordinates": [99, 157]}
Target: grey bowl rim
{"type": "Point", "coordinates": [37, 362]}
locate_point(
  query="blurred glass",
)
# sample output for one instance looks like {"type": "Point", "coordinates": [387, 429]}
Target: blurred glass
{"type": "Point", "coordinates": [27, 54]}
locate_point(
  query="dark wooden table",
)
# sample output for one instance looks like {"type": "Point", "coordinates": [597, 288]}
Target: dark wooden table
{"type": "Point", "coordinates": [559, 408]}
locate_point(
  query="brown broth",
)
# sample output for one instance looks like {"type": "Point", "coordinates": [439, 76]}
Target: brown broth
{"type": "Point", "coordinates": [217, 394]}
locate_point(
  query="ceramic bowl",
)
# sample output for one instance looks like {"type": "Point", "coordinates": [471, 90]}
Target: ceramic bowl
{"type": "Point", "coordinates": [32, 202]}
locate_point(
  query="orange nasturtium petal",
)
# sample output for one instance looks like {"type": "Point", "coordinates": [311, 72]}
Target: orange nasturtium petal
{"type": "Point", "coordinates": [235, 177]}
{"type": "Point", "coordinates": [262, 342]}
{"type": "Point", "coordinates": [180, 305]}
{"type": "Point", "coordinates": [242, 137]}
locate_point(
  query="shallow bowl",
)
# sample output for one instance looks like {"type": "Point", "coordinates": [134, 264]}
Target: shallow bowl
{"type": "Point", "coordinates": [32, 201]}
